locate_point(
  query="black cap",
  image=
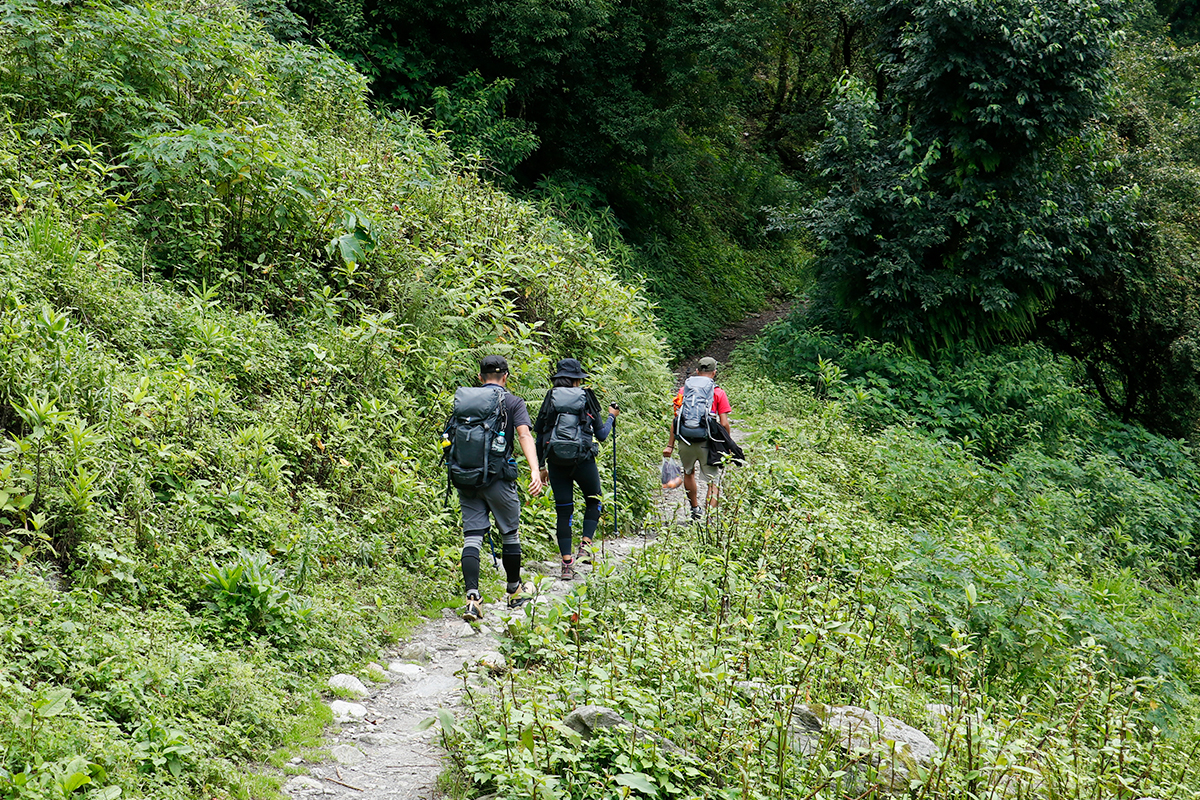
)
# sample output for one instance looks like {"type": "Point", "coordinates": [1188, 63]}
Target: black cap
{"type": "Point", "coordinates": [569, 368]}
{"type": "Point", "coordinates": [493, 364]}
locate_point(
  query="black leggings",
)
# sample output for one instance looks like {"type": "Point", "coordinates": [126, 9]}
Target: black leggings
{"type": "Point", "coordinates": [562, 480]}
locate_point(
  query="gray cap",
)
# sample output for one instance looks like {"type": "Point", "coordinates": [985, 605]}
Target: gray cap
{"type": "Point", "coordinates": [707, 364]}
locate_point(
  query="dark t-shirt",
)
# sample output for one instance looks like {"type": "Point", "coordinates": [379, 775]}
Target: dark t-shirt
{"type": "Point", "coordinates": [518, 414]}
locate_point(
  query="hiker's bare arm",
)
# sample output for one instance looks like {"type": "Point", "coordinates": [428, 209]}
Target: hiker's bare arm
{"type": "Point", "coordinates": [530, 450]}
{"type": "Point", "coordinates": [670, 443]}
{"type": "Point", "coordinates": [724, 419]}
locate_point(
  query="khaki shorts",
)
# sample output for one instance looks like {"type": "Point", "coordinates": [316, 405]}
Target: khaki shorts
{"type": "Point", "coordinates": [692, 454]}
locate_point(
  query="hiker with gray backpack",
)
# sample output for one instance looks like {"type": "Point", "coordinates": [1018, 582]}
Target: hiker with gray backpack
{"type": "Point", "coordinates": [568, 428]}
{"type": "Point", "coordinates": [478, 450]}
{"type": "Point", "coordinates": [699, 405]}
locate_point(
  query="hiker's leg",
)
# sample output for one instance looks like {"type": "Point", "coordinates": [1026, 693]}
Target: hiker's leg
{"type": "Point", "coordinates": [564, 506]}
{"type": "Point", "coordinates": [472, 542]}
{"type": "Point", "coordinates": [475, 526]}
{"type": "Point", "coordinates": [712, 476]}
{"type": "Point", "coordinates": [588, 478]}
{"type": "Point", "coordinates": [692, 457]}
{"type": "Point", "coordinates": [505, 505]}
{"type": "Point", "coordinates": [689, 486]}
{"type": "Point", "coordinates": [512, 560]}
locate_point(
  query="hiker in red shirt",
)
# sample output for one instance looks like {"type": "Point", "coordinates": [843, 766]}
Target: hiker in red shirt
{"type": "Point", "coordinates": [693, 407]}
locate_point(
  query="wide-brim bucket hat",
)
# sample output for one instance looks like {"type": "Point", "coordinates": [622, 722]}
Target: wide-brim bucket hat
{"type": "Point", "coordinates": [569, 368]}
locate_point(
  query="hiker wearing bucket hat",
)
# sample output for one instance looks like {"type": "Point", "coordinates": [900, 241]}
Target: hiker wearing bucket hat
{"type": "Point", "coordinates": [566, 430]}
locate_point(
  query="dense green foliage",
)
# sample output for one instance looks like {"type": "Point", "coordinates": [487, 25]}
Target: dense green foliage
{"type": "Point", "coordinates": [1022, 409]}
{"type": "Point", "coordinates": [642, 107]}
{"type": "Point", "coordinates": [233, 309]}
{"type": "Point", "coordinates": [888, 571]}
{"type": "Point", "coordinates": [1021, 171]}
{"type": "Point", "coordinates": [957, 208]}
{"type": "Point", "coordinates": [1135, 325]}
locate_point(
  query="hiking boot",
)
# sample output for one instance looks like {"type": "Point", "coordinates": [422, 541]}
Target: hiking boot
{"type": "Point", "coordinates": [584, 556]}
{"type": "Point", "coordinates": [473, 611]}
{"type": "Point", "coordinates": [517, 598]}
{"type": "Point", "coordinates": [697, 514]}
{"type": "Point", "coordinates": [568, 571]}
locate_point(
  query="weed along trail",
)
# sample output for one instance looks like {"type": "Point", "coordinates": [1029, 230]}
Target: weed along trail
{"type": "Point", "coordinates": [377, 749]}
{"type": "Point", "coordinates": [378, 746]}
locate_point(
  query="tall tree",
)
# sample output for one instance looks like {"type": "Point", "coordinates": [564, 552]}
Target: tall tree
{"type": "Point", "coordinates": [962, 196]}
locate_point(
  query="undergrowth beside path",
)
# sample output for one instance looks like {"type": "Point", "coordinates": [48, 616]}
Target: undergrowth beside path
{"type": "Point", "coordinates": [878, 570]}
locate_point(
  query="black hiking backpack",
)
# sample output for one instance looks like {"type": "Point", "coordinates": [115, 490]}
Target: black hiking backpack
{"type": "Point", "coordinates": [691, 425]}
{"type": "Point", "coordinates": [474, 439]}
{"type": "Point", "coordinates": [570, 440]}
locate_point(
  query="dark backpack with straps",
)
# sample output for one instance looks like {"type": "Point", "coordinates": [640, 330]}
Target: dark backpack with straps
{"type": "Point", "coordinates": [570, 440]}
{"type": "Point", "coordinates": [475, 446]}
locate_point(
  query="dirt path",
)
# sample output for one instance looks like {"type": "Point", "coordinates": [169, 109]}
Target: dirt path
{"type": "Point", "coordinates": [383, 756]}
{"type": "Point", "coordinates": [728, 340]}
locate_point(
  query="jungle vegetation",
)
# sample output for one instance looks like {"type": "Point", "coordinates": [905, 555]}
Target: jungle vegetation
{"type": "Point", "coordinates": [248, 251]}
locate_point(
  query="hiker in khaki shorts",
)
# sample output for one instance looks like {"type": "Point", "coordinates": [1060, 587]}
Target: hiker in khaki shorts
{"type": "Point", "coordinates": [699, 403]}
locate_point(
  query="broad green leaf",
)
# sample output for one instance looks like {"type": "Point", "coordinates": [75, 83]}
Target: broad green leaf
{"type": "Point", "coordinates": [637, 780]}
{"type": "Point", "coordinates": [75, 780]}
{"type": "Point", "coordinates": [54, 703]}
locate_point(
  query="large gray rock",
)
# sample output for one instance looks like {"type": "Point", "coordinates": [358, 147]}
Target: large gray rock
{"type": "Point", "coordinates": [347, 754]}
{"type": "Point", "coordinates": [303, 785]}
{"type": "Point", "coordinates": [893, 747]}
{"type": "Point", "coordinates": [347, 712]}
{"type": "Point", "coordinates": [462, 630]}
{"type": "Point", "coordinates": [414, 652]}
{"type": "Point", "coordinates": [586, 720]}
{"type": "Point", "coordinates": [348, 684]}
{"type": "Point", "coordinates": [405, 671]}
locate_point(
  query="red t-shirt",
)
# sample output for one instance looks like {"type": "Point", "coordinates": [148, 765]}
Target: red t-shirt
{"type": "Point", "coordinates": [720, 401]}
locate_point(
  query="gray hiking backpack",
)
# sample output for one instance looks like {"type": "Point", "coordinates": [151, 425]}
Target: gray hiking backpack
{"type": "Point", "coordinates": [476, 450]}
{"type": "Point", "coordinates": [570, 440]}
{"type": "Point", "coordinates": [692, 421]}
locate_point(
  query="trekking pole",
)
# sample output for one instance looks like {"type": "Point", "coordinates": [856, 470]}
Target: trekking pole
{"type": "Point", "coordinates": [614, 474]}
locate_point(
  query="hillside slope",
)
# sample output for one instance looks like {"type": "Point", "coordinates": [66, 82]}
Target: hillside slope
{"type": "Point", "coordinates": [234, 307]}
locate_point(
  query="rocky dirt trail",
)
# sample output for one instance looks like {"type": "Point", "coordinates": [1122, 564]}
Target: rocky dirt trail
{"type": "Point", "coordinates": [378, 753]}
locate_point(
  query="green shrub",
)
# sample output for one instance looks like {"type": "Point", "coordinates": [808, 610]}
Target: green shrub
{"type": "Point", "coordinates": [1116, 491]}
{"type": "Point", "coordinates": [247, 596]}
